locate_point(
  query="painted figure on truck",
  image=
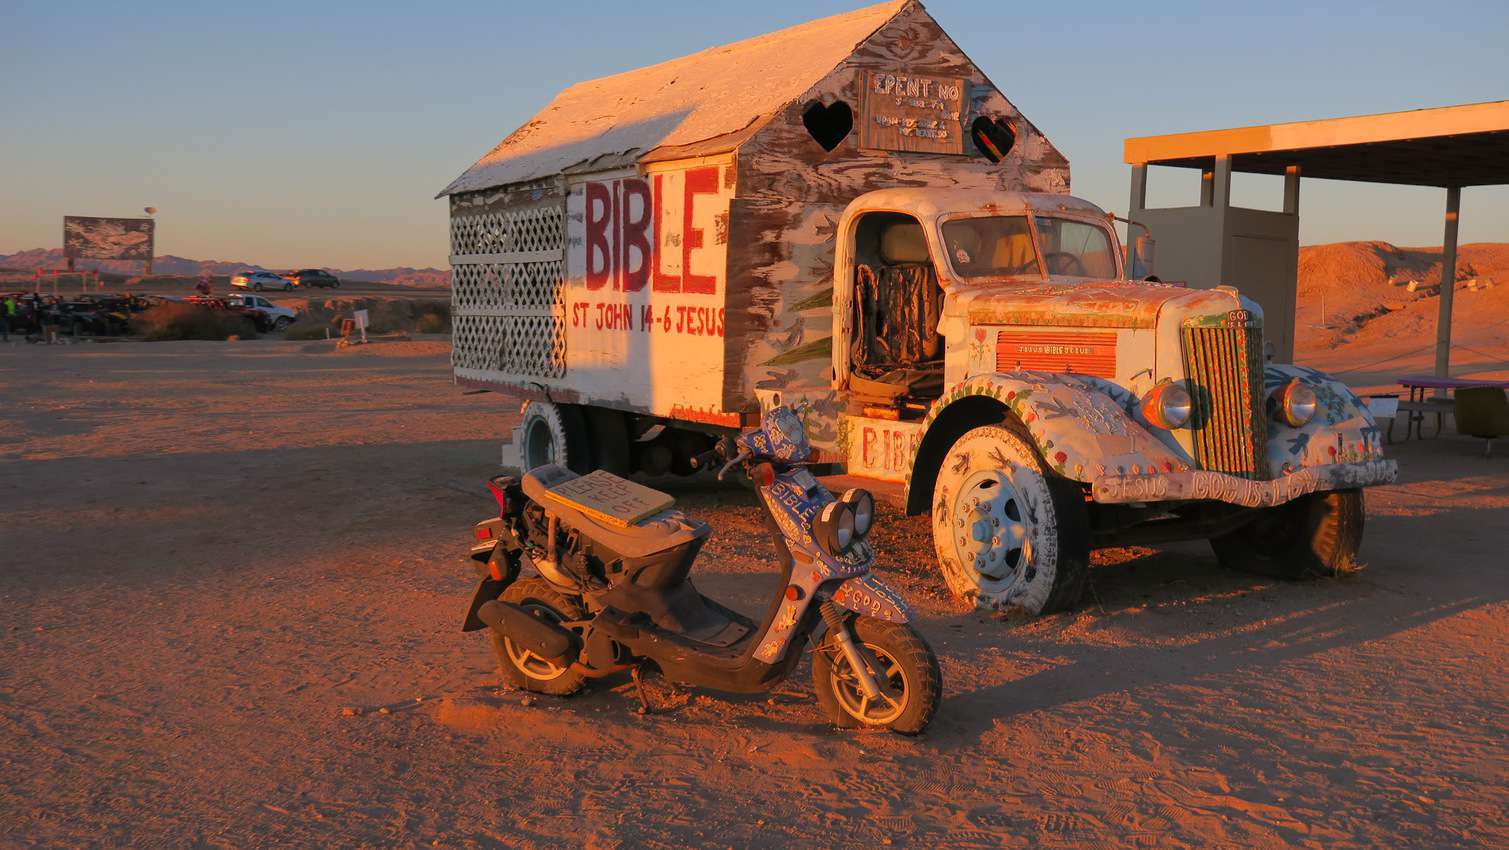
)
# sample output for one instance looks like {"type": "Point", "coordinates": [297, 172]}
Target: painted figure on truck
{"type": "Point", "coordinates": [875, 230]}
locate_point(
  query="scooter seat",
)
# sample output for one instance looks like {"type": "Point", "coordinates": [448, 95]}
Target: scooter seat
{"type": "Point", "coordinates": [650, 536]}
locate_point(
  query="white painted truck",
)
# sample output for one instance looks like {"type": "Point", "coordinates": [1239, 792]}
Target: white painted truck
{"type": "Point", "coordinates": [876, 231]}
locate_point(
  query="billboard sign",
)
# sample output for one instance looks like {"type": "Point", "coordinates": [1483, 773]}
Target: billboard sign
{"type": "Point", "coordinates": [87, 237]}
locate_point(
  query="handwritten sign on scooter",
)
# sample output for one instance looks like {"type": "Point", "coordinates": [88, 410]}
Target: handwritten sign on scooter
{"type": "Point", "coordinates": [609, 499]}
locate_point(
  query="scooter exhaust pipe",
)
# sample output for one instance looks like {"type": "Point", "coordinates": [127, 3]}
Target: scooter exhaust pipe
{"type": "Point", "coordinates": [544, 638]}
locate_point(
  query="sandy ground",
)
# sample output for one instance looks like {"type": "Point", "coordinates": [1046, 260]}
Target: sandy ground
{"type": "Point", "coordinates": [208, 551]}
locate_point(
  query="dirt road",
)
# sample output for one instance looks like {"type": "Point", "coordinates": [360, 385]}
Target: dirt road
{"type": "Point", "coordinates": [208, 551]}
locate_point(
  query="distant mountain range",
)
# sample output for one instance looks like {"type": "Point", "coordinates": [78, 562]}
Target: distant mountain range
{"type": "Point", "coordinates": [52, 258]}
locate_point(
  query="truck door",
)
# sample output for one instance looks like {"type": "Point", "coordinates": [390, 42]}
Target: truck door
{"type": "Point", "coordinates": [893, 353]}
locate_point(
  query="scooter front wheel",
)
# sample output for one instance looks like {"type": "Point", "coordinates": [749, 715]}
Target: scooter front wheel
{"type": "Point", "coordinates": [522, 668]}
{"type": "Point", "coordinates": [902, 665]}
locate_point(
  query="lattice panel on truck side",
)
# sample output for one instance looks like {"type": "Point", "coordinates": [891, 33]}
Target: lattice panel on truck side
{"type": "Point", "coordinates": [515, 345]}
{"type": "Point", "coordinates": [509, 315]}
{"type": "Point", "coordinates": [508, 231]}
{"type": "Point", "coordinates": [507, 286]}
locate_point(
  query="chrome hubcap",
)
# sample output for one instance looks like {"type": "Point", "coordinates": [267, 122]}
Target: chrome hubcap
{"type": "Point", "coordinates": [990, 527]}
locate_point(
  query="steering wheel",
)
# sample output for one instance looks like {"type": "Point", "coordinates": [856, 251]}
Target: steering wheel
{"type": "Point", "coordinates": [1063, 262]}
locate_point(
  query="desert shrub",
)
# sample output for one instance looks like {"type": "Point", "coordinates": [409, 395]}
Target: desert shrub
{"type": "Point", "coordinates": [385, 315]}
{"type": "Point", "coordinates": [306, 329]}
{"type": "Point", "coordinates": [173, 320]}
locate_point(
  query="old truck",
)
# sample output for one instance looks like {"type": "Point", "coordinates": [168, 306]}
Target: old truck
{"type": "Point", "coordinates": [849, 213]}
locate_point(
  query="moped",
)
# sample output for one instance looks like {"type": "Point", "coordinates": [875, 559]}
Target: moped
{"type": "Point", "coordinates": [587, 576]}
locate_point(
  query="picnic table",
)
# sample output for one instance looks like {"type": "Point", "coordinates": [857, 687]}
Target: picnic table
{"type": "Point", "coordinates": [1418, 407]}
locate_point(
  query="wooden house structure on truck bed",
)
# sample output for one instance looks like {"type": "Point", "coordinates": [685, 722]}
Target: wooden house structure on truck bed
{"type": "Point", "coordinates": [661, 242]}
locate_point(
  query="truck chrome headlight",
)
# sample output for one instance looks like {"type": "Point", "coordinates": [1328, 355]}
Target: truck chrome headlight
{"type": "Point", "coordinates": [1168, 405]}
{"type": "Point", "coordinates": [834, 527]}
{"type": "Point", "coordinates": [1295, 403]}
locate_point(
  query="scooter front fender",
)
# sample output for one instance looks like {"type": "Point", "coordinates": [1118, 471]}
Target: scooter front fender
{"type": "Point", "coordinates": [868, 596]}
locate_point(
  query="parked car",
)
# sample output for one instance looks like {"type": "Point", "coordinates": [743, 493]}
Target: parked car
{"type": "Point", "coordinates": [313, 277]}
{"type": "Point", "coordinates": [77, 317]}
{"type": "Point", "coordinates": [260, 280]}
{"type": "Point", "coordinates": [269, 316]}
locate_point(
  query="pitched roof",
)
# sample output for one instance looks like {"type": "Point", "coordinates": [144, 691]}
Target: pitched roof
{"type": "Point", "coordinates": [718, 96]}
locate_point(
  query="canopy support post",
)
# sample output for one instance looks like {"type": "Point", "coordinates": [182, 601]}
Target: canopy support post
{"type": "Point", "coordinates": [1291, 190]}
{"type": "Point", "coordinates": [1448, 282]}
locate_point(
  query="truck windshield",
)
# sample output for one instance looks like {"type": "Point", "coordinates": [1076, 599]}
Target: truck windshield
{"type": "Point", "coordinates": [995, 246]}
{"type": "Point", "coordinates": [1076, 248]}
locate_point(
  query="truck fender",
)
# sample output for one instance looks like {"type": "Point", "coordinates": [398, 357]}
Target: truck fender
{"type": "Point", "coordinates": [1343, 431]}
{"type": "Point", "coordinates": [866, 595]}
{"type": "Point", "coordinates": [1083, 427]}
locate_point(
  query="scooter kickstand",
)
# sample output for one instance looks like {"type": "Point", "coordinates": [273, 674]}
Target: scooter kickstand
{"type": "Point", "coordinates": [644, 697]}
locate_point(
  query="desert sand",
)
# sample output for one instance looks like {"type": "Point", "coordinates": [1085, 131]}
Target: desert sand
{"type": "Point", "coordinates": [233, 577]}
{"type": "Point", "coordinates": [1358, 319]}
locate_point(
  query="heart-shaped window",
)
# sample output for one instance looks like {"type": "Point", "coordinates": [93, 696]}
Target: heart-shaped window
{"type": "Point", "coordinates": [993, 137]}
{"type": "Point", "coordinates": [830, 124]}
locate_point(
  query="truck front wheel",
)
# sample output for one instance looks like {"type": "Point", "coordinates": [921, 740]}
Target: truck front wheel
{"type": "Point", "coordinates": [1009, 533]}
{"type": "Point", "coordinates": [1312, 536]}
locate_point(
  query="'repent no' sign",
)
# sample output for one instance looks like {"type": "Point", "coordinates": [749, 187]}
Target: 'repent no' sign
{"type": "Point", "coordinates": [912, 112]}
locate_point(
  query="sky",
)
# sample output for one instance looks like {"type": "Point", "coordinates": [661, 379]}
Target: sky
{"type": "Point", "coordinates": [317, 133]}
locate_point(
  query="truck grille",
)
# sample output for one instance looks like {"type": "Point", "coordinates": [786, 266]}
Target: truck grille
{"type": "Point", "coordinates": [1225, 369]}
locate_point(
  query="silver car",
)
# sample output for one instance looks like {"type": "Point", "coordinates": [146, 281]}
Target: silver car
{"type": "Point", "coordinates": [260, 281]}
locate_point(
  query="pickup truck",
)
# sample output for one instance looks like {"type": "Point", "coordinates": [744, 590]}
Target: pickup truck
{"type": "Point", "coordinates": [268, 316]}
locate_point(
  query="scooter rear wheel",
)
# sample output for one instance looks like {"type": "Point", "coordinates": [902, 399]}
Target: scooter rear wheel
{"type": "Point", "coordinates": [902, 664]}
{"type": "Point", "coordinates": [522, 668]}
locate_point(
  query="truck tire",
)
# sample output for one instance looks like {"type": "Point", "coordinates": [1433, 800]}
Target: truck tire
{"type": "Point", "coordinates": [554, 433]}
{"type": "Point", "coordinates": [1313, 536]}
{"type": "Point", "coordinates": [1009, 533]}
{"type": "Point", "coordinates": [608, 434]}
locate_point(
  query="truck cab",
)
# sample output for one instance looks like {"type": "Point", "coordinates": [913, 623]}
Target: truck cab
{"type": "Point", "coordinates": [920, 260]}
{"type": "Point", "coordinates": [994, 360]}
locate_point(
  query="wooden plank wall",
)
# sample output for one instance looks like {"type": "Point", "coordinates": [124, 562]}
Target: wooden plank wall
{"type": "Point", "coordinates": [792, 192]}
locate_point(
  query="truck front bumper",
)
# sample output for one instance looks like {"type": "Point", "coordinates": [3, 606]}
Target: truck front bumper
{"type": "Point", "coordinates": [1200, 485]}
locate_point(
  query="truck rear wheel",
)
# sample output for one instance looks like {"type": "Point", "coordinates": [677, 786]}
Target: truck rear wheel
{"type": "Point", "coordinates": [553, 433]}
{"type": "Point", "coordinates": [1008, 533]}
{"type": "Point", "coordinates": [1313, 536]}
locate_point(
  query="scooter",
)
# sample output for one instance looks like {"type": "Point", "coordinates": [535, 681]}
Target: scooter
{"type": "Point", "coordinates": [588, 576]}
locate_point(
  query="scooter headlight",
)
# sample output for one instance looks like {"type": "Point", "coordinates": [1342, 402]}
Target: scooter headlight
{"type": "Point", "coordinates": [1168, 406]}
{"type": "Point", "coordinates": [864, 509]}
{"type": "Point", "coordinates": [834, 528]}
{"type": "Point", "coordinates": [1295, 404]}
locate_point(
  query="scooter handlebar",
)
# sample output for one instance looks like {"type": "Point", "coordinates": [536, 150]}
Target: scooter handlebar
{"type": "Point", "coordinates": [706, 460]}
{"type": "Point", "coordinates": [737, 459]}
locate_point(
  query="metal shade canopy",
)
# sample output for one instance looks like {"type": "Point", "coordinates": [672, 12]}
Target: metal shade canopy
{"type": "Point", "coordinates": [1449, 146]}
{"type": "Point", "coordinates": [1445, 146]}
